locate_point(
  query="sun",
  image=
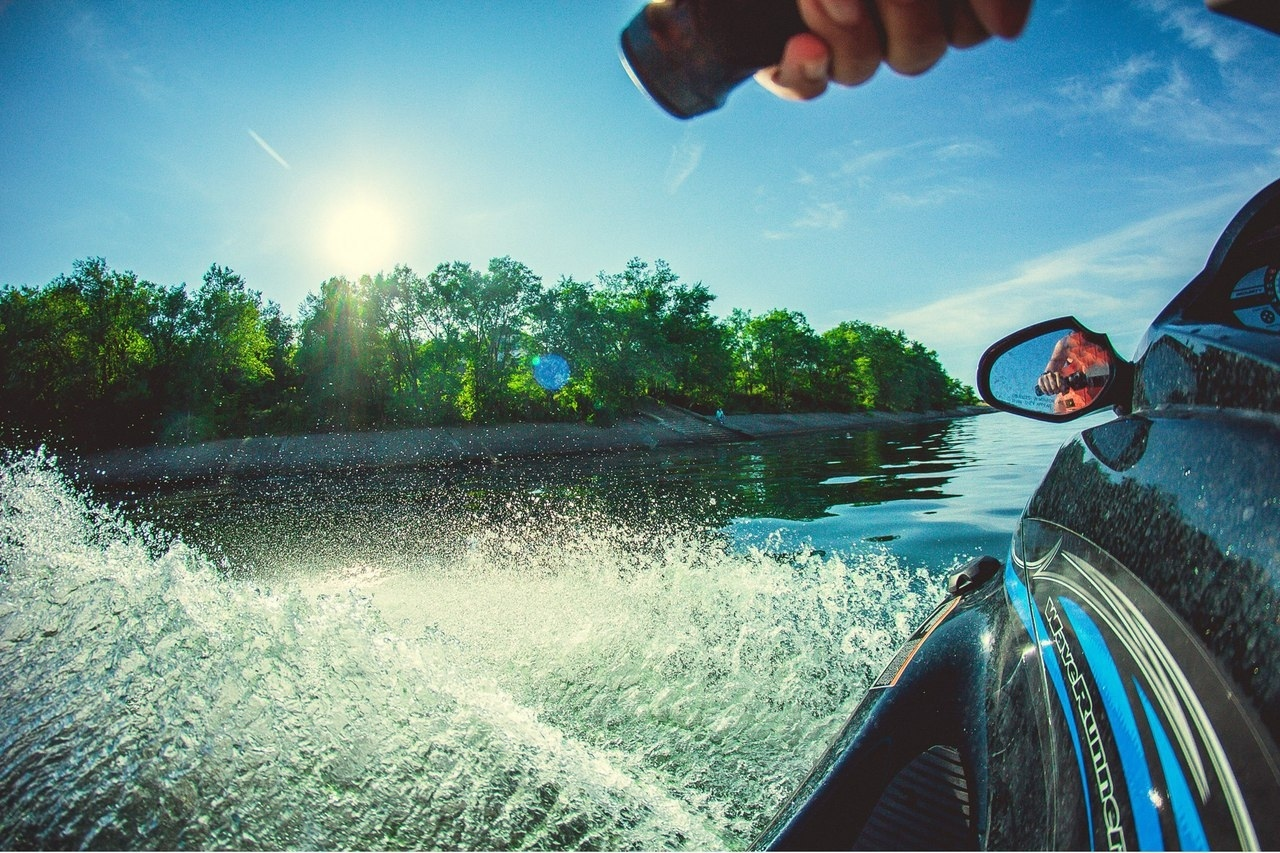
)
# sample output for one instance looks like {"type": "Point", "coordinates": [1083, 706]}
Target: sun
{"type": "Point", "coordinates": [361, 236]}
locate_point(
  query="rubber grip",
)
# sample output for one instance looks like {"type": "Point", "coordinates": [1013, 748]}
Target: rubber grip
{"type": "Point", "coordinates": [689, 54]}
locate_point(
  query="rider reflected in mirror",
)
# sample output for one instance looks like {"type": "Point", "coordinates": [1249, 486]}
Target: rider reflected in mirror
{"type": "Point", "coordinates": [1076, 372]}
{"type": "Point", "coordinates": [1055, 371]}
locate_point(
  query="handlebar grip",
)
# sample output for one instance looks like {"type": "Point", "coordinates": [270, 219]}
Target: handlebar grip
{"type": "Point", "coordinates": [1075, 382]}
{"type": "Point", "coordinates": [689, 54]}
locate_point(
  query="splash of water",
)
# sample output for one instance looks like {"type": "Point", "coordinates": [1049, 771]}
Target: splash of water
{"type": "Point", "coordinates": [546, 686]}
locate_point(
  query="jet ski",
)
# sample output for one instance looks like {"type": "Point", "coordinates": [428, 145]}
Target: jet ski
{"type": "Point", "coordinates": [1114, 681]}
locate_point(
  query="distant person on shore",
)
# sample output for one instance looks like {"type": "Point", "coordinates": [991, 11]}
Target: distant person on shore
{"type": "Point", "coordinates": [849, 39]}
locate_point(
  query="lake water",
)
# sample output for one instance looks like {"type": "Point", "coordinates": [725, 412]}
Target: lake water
{"type": "Point", "coordinates": [644, 650]}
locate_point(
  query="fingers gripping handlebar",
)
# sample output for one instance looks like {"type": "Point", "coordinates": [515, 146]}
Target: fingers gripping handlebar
{"type": "Point", "coordinates": [1075, 382]}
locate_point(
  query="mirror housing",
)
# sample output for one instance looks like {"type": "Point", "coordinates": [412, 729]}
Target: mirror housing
{"type": "Point", "coordinates": [1055, 371]}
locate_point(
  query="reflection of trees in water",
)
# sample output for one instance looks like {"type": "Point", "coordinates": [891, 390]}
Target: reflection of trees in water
{"type": "Point", "coordinates": [804, 480]}
{"type": "Point", "coordinates": [402, 514]}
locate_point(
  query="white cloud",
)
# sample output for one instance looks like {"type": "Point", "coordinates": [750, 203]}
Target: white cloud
{"type": "Point", "coordinates": [1118, 91]}
{"type": "Point", "coordinates": [961, 151]}
{"type": "Point", "coordinates": [1213, 88]}
{"type": "Point", "coordinates": [1151, 96]}
{"type": "Point", "coordinates": [860, 166]}
{"type": "Point", "coordinates": [915, 175]}
{"type": "Point", "coordinates": [825, 216]}
{"type": "Point", "coordinates": [104, 50]}
{"type": "Point", "coordinates": [685, 157]}
{"type": "Point", "coordinates": [1116, 283]}
{"type": "Point", "coordinates": [1198, 29]}
{"type": "Point", "coordinates": [817, 216]}
{"type": "Point", "coordinates": [863, 165]}
{"type": "Point", "coordinates": [931, 195]}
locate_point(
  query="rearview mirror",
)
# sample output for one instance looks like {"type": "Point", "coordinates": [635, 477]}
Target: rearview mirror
{"type": "Point", "coordinates": [1054, 371]}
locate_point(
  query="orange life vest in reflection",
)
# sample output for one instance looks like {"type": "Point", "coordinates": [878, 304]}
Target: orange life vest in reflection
{"type": "Point", "coordinates": [1084, 368]}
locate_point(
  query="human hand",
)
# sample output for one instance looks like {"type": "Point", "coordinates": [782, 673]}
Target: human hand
{"type": "Point", "coordinates": [1050, 383]}
{"type": "Point", "coordinates": [848, 39]}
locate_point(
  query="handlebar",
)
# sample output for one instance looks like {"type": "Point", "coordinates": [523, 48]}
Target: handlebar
{"type": "Point", "coordinates": [1076, 382]}
{"type": "Point", "coordinates": [689, 54]}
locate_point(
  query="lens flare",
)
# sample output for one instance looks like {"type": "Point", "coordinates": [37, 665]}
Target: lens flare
{"type": "Point", "coordinates": [551, 371]}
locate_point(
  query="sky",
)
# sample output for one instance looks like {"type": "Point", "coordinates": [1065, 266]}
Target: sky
{"type": "Point", "coordinates": [1085, 168]}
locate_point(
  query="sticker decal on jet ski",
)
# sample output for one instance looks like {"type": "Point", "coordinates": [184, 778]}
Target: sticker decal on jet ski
{"type": "Point", "coordinates": [1083, 700]}
{"type": "Point", "coordinates": [1133, 758]}
{"type": "Point", "coordinates": [1152, 768]}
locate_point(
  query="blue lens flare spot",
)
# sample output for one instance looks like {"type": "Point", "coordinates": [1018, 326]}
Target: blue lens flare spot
{"type": "Point", "coordinates": [550, 371]}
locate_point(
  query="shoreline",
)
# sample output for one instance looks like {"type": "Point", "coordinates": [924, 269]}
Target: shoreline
{"type": "Point", "coordinates": [655, 425]}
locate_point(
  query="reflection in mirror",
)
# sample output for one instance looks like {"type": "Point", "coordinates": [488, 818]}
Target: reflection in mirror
{"type": "Point", "coordinates": [1057, 374]}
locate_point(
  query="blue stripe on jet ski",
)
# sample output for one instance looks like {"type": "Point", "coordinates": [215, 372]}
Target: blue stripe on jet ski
{"type": "Point", "coordinates": [1020, 599]}
{"type": "Point", "coordinates": [1133, 758]}
{"type": "Point", "coordinates": [1186, 815]}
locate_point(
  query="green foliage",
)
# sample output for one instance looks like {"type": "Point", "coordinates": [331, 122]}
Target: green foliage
{"type": "Point", "coordinates": [872, 367]}
{"type": "Point", "coordinates": [78, 356]}
{"type": "Point", "coordinates": [342, 357]}
{"type": "Point", "coordinates": [227, 349]}
{"type": "Point", "coordinates": [101, 358]}
{"type": "Point", "coordinates": [778, 356]}
{"type": "Point", "coordinates": [489, 310]}
{"type": "Point", "coordinates": [638, 333]}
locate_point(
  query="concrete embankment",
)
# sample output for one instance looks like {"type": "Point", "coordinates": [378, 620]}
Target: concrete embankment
{"type": "Point", "coordinates": [655, 425]}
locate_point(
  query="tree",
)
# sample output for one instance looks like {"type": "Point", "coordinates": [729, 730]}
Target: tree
{"type": "Point", "coordinates": [636, 333]}
{"type": "Point", "coordinates": [101, 358]}
{"type": "Point", "coordinates": [874, 367]}
{"type": "Point", "coordinates": [277, 399]}
{"type": "Point", "coordinates": [702, 367]}
{"type": "Point", "coordinates": [337, 358]}
{"type": "Point", "coordinates": [44, 382]}
{"type": "Point", "coordinates": [78, 356]}
{"type": "Point", "coordinates": [633, 307]}
{"type": "Point", "coordinates": [396, 304]}
{"type": "Point", "coordinates": [489, 310]}
{"type": "Point", "coordinates": [847, 375]}
{"type": "Point", "coordinates": [779, 354]}
{"type": "Point", "coordinates": [118, 309]}
{"type": "Point", "coordinates": [229, 349]}
{"type": "Point", "coordinates": [565, 320]}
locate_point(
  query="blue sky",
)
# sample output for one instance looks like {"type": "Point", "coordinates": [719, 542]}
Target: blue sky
{"type": "Point", "coordinates": [1085, 168]}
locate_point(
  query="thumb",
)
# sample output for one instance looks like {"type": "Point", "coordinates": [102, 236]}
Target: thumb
{"type": "Point", "coordinates": [802, 73]}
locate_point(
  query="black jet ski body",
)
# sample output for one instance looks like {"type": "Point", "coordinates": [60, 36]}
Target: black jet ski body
{"type": "Point", "coordinates": [1114, 681]}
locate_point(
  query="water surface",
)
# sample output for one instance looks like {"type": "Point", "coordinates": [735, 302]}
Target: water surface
{"type": "Point", "coordinates": [643, 650]}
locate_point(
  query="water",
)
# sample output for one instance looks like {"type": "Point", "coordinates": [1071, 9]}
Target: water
{"type": "Point", "coordinates": [643, 651]}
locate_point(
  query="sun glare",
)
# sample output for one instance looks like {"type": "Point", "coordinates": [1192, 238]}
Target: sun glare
{"type": "Point", "coordinates": [360, 237]}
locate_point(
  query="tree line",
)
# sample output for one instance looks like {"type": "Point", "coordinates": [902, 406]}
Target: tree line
{"type": "Point", "coordinates": [102, 358]}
